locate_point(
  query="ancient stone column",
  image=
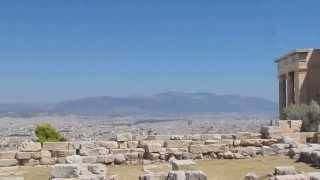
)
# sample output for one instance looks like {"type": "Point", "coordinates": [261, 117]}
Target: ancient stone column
{"type": "Point", "coordinates": [282, 93]}
{"type": "Point", "coordinates": [290, 88]}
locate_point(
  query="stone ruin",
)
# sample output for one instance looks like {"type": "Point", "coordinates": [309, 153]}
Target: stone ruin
{"type": "Point", "coordinates": [284, 173]}
{"type": "Point", "coordinates": [280, 138]}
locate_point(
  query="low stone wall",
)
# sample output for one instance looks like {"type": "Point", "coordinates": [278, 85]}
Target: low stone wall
{"type": "Point", "coordinates": [129, 149]}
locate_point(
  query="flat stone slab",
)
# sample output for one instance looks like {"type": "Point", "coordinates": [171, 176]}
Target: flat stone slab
{"type": "Point", "coordinates": [65, 171]}
{"type": "Point", "coordinates": [8, 162]}
{"type": "Point", "coordinates": [285, 170]}
{"type": "Point", "coordinates": [184, 165]}
{"type": "Point", "coordinates": [11, 178]}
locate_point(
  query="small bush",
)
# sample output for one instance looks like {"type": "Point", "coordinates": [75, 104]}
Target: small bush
{"type": "Point", "coordinates": [309, 114]}
{"type": "Point", "coordinates": [46, 133]}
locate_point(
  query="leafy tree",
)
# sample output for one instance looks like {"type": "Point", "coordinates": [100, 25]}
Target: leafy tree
{"type": "Point", "coordinates": [309, 114]}
{"type": "Point", "coordinates": [46, 133]}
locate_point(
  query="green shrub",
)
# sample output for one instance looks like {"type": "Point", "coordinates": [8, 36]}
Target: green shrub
{"type": "Point", "coordinates": [309, 114]}
{"type": "Point", "coordinates": [46, 133]}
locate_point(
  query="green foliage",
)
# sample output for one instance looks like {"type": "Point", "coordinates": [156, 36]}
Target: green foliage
{"type": "Point", "coordinates": [309, 114]}
{"type": "Point", "coordinates": [46, 133]}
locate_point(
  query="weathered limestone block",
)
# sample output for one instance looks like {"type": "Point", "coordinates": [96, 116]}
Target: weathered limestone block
{"type": "Point", "coordinates": [176, 175]}
{"type": "Point", "coordinates": [198, 142]}
{"type": "Point", "coordinates": [177, 143]}
{"type": "Point", "coordinates": [97, 169]}
{"type": "Point", "coordinates": [143, 143]}
{"type": "Point", "coordinates": [196, 175]}
{"type": "Point", "coordinates": [8, 154]}
{"type": "Point", "coordinates": [153, 148]}
{"type": "Point", "coordinates": [30, 147]}
{"type": "Point", "coordinates": [196, 137]}
{"type": "Point", "coordinates": [74, 159]}
{"type": "Point", "coordinates": [248, 135]}
{"type": "Point", "coordinates": [65, 171]}
{"type": "Point", "coordinates": [184, 165]}
{"type": "Point", "coordinates": [314, 175]}
{"type": "Point", "coordinates": [45, 154]}
{"type": "Point", "coordinates": [177, 137]}
{"type": "Point", "coordinates": [228, 155]}
{"type": "Point", "coordinates": [106, 159]}
{"type": "Point", "coordinates": [8, 162]}
{"type": "Point", "coordinates": [315, 158]}
{"type": "Point", "coordinates": [11, 178]}
{"type": "Point", "coordinates": [205, 137]}
{"type": "Point", "coordinates": [119, 159]}
{"type": "Point", "coordinates": [294, 153]}
{"type": "Point", "coordinates": [47, 161]}
{"type": "Point", "coordinates": [133, 144]}
{"type": "Point", "coordinates": [123, 145]}
{"type": "Point", "coordinates": [252, 142]}
{"type": "Point", "coordinates": [89, 159]}
{"type": "Point", "coordinates": [36, 155]}
{"type": "Point", "coordinates": [227, 136]}
{"type": "Point", "coordinates": [176, 151]}
{"type": "Point", "coordinates": [61, 153]}
{"type": "Point", "coordinates": [251, 176]}
{"type": "Point", "coordinates": [267, 151]}
{"type": "Point", "coordinates": [228, 142]}
{"type": "Point", "coordinates": [120, 151]}
{"type": "Point", "coordinates": [132, 156]}
{"type": "Point", "coordinates": [278, 147]}
{"type": "Point", "coordinates": [153, 176]}
{"type": "Point", "coordinates": [57, 146]}
{"type": "Point", "coordinates": [124, 137]}
{"type": "Point", "coordinates": [152, 156]}
{"type": "Point", "coordinates": [200, 149]}
{"type": "Point", "coordinates": [292, 177]}
{"type": "Point", "coordinates": [212, 142]}
{"type": "Point", "coordinates": [107, 144]}
{"type": "Point", "coordinates": [158, 137]}
{"type": "Point", "coordinates": [31, 162]}
{"type": "Point", "coordinates": [23, 155]}
{"type": "Point", "coordinates": [285, 170]}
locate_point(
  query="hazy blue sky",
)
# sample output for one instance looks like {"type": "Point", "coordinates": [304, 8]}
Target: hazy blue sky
{"type": "Point", "coordinates": [65, 49]}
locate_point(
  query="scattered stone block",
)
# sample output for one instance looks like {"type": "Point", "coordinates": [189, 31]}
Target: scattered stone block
{"type": "Point", "coordinates": [8, 154]}
{"type": "Point", "coordinates": [177, 143]}
{"type": "Point", "coordinates": [47, 161]}
{"type": "Point", "coordinates": [57, 146]}
{"type": "Point", "coordinates": [123, 145]}
{"type": "Point", "coordinates": [74, 159]}
{"type": "Point", "coordinates": [176, 175]}
{"type": "Point", "coordinates": [184, 165]}
{"type": "Point", "coordinates": [8, 162]}
{"type": "Point", "coordinates": [30, 147]}
{"type": "Point", "coordinates": [119, 159]}
{"type": "Point", "coordinates": [285, 170]}
{"type": "Point", "coordinates": [292, 177]}
{"type": "Point", "coordinates": [132, 144]}
{"type": "Point", "coordinates": [45, 154]}
{"type": "Point", "coordinates": [251, 176]}
{"type": "Point", "coordinates": [154, 176]}
{"type": "Point", "coordinates": [65, 171]}
{"type": "Point", "coordinates": [108, 144]}
{"type": "Point", "coordinates": [11, 178]}
{"type": "Point", "coordinates": [196, 175]}
{"type": "Point", "coordinates": [153, 148]}
{"type": "Point", "coordinates": [89, 159]}
{"type": "Point", "coordinates": [23, 155]}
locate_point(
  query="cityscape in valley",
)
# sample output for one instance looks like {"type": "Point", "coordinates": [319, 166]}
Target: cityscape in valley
{"type": "Point", "coordinates": [159, 90]}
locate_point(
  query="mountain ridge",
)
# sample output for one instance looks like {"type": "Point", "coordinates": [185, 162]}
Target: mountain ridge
{"type": "Point", "coordinates": [167, 102]}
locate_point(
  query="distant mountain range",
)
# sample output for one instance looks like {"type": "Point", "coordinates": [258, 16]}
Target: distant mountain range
{"type": "Point", "coordinates": [170, 102]}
